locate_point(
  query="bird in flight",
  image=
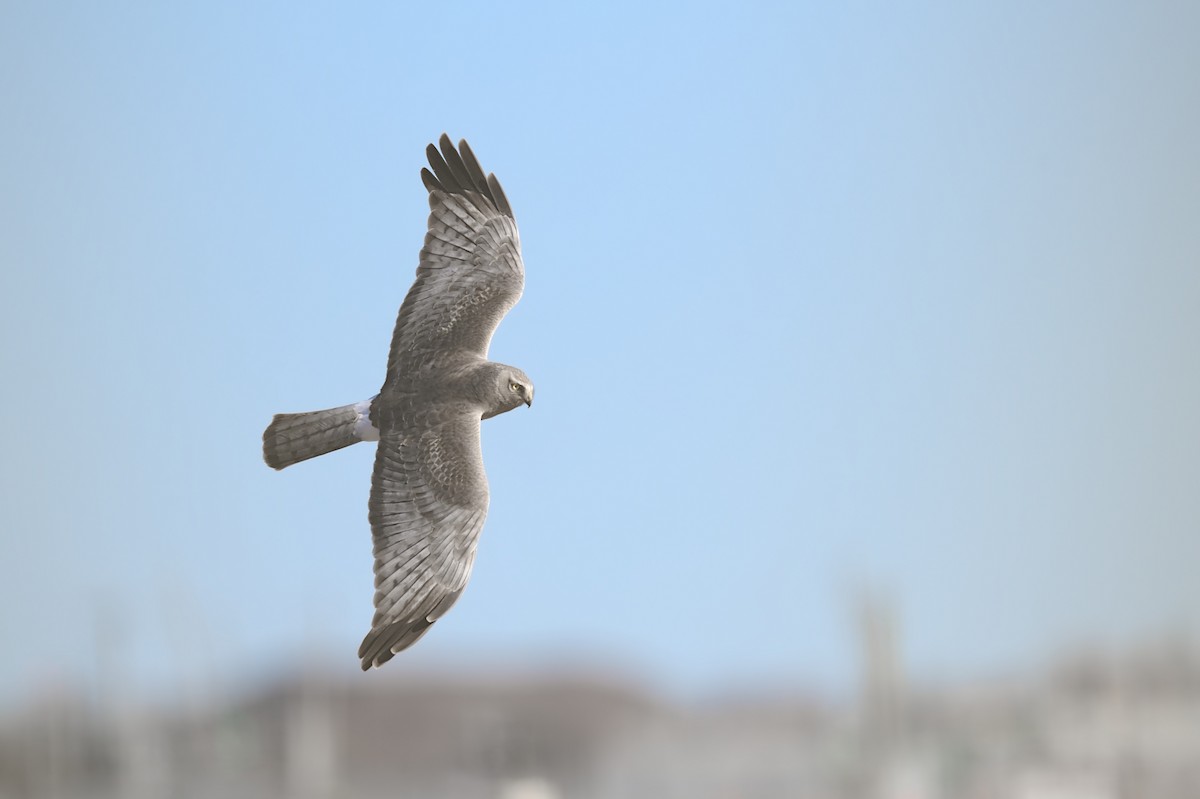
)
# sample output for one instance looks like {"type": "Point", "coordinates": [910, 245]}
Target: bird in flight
{"type": "Point", "coordinates": [429, 492]}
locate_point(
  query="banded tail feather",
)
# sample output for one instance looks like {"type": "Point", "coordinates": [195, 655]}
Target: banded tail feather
{"type": "Point", "coordinates": [295, 437]}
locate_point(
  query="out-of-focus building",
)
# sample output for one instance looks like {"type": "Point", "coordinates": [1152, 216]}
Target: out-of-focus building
{"type": "Point", "coordinates": [1091, 727]}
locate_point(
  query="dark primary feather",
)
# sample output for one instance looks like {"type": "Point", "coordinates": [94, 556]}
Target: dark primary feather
{"type": "Point", "coordinates": [470, 271]}
{"type": "Point", "coordinates": [459, 173]}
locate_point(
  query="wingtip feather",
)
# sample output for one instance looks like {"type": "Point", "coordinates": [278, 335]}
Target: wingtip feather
{"type": "Point", "coordinates": [462, 175]}
{"type": "Point", "coordinates": [431, 182]}
{"type": "Point", "coordinates": [498, 196]}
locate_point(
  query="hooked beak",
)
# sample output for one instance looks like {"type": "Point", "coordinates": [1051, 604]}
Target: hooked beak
{"type": "Point", "coordinates": [529, 399]}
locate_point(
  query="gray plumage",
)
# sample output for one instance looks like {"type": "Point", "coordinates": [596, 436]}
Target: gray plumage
{"type": "Point", "coordinates": [429, 492]}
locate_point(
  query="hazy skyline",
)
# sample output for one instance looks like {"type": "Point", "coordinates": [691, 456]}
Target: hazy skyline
{"type": "Point", "coordinates": [817, 298]}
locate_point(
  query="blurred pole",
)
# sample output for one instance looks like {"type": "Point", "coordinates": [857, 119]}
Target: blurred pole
{"type": "Point", "coordinates": [311, 742]}
{"type": "Point", "coordinates": [880, 726]}
{"type": "Point", "coordinates": [882, 681]}
{"type": "Point", "coordinates": [141, 762]}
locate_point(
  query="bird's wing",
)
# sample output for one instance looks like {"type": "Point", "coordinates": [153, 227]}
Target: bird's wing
{"type": "Point", "coordinates": [429, 498]}
{"type": "Point", "coordinates": [470, 271]}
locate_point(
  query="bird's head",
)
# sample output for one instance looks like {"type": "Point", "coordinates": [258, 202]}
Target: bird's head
{"type": "Point", "coordinates": [512, 388]}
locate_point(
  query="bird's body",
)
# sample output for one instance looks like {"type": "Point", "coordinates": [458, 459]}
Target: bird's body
{"type": "Point", "coordinates": [429, 493]}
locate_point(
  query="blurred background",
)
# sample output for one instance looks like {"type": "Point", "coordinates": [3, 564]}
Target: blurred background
{"type": "Point", "coordinates": [865, 456]}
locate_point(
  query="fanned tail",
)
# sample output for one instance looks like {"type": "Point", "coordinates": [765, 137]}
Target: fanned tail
{"type": "Point", "coordinates": [295, 437]}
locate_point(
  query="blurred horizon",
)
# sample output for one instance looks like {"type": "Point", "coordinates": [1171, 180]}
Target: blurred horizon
{"type": "Point", "coordinates": [207, 671]}
{"type": "Point", "coordinates": [822, 302]}
{"type": "Point", "coordinates": [1083, 725]}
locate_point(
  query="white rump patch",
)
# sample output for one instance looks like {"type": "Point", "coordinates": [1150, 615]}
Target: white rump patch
{"type": "Point", "coordinates": [362, 425]}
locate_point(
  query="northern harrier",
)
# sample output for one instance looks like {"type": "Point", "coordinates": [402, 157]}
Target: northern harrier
{"type": "Point", "coordinates": [429, 493]}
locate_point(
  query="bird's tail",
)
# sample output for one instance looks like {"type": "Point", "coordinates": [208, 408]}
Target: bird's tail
{"type": "Point", "coordinates": [295, 437]}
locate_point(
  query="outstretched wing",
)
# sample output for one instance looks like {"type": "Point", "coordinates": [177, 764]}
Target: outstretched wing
{"type": "Point", "coordinates": [470, 271]}
{"type": "Point", "coordinates": [429, 498]}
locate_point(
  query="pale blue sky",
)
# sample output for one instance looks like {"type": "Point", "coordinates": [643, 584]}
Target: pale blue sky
{"type": "Point", "coordinates": [818, 297]}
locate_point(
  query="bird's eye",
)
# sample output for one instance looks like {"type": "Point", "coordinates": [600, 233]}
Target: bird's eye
{"type": "Point", "coordinates": [515, 386]}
